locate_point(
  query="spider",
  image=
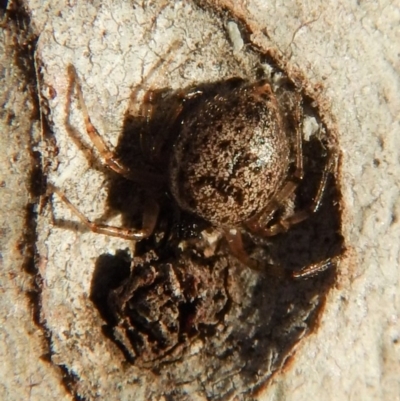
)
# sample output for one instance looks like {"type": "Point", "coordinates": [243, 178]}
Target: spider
{"type": "Point", "coordinates": [230, 154]}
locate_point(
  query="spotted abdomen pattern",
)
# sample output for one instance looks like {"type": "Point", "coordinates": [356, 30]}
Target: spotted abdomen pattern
{"type": "Point", "coordinates": [231, 155]}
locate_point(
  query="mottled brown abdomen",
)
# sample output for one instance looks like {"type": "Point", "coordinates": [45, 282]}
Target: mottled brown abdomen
{"type": "Point", "coordinates": [231, 155]}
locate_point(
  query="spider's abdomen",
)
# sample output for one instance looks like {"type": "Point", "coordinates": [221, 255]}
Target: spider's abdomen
{"type": "Point", "coordinates": [231, 155]}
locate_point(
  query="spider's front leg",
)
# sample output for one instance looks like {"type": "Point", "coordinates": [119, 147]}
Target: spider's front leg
{"type": "Point", "coordinates": [103, 148]}
{"type": "Point", "coordinates": [151, 212]}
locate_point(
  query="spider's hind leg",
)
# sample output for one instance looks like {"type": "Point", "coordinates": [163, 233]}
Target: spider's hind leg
{"type": "Point", "coordinates": [149, 221]}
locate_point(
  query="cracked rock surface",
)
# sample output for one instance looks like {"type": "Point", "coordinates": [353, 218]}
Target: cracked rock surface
{"type": "Point", "coordinates": [113, 48]}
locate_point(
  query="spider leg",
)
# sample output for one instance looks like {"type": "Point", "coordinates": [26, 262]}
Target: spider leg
{"type": "Point", "coordinates": [257, 224]}
{"type": "Point", "coordinates": [313, 269]}
{"type": "Point", "coordinates": [293, 117]}
{"type": "Point", "coordinates": [170, 105]}
{"type": "Point", "coordinates": [109, 157]}
{"type": "Point", "coordinates": [150, 216]}
{"type": "Point", "coordinates": [301, 215]}
{"type": "Point", "coordinates": [103, 148]}
{"type": "Point", "coordinates": [235, 242]}
{"type": "Point", "coordinates": [160, 66]}
{"type": "Point", "coordinates": [149, 105]}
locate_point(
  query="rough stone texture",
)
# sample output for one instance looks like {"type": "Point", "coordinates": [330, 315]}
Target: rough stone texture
{"type": "Point", "coordinates": [352, 51]}
{"type": "Point", "coordinates": [26, 373]}
{"type": "Point", "coordinates": [266, 317]}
